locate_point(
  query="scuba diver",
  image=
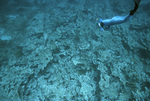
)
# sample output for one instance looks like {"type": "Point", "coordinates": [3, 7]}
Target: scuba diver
{"type": "Point", "coordinates": [118, 19]}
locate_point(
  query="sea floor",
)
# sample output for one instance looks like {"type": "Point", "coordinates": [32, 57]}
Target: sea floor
{"type": "Point", "coordinates": [55, 51]}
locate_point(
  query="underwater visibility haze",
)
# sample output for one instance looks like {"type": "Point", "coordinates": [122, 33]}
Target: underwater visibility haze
{"type": "Point", "coordinates": [54, 50]}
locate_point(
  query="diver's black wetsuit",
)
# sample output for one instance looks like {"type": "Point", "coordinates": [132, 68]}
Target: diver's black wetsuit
{"type": "Point", "coordinates": [135, 8]}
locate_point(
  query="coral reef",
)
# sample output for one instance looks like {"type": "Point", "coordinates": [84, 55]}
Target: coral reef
{"type": "Point", "coordinates": [54, 51]}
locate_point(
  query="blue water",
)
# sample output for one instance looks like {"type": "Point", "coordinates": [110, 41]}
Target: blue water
{"type": "Point", "coordinates": [55, 51]}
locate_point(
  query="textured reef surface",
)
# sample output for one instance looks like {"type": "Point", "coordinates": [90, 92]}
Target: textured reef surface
{"type": "Point", "coordinates": [54, 51]}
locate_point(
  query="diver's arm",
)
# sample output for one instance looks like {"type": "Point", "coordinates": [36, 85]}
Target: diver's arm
{"type": "Point", "coordinates": [116, 20]}
{"type": "Point", "coordinates": [119, 19]}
